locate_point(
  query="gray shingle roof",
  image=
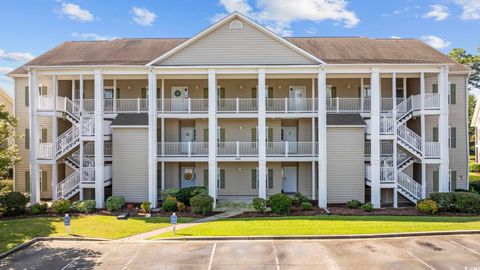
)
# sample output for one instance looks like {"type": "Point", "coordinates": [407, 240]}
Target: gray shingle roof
{"type": "Point", "coordinates": [345, 120]}
{"type": "Point", "coordinates": [131, 119]}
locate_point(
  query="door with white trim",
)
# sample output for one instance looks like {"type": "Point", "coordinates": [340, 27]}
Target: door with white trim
{"type": "Point", "coordinates": [179, 98]}
{"type": "Point", "coordinates": [289, 134]}
{"type": "Point", "coordinates": [297, 96]}
{"type": "Point", "coordinates": [289, 180]}
{"type": "Point", "coordinates": [188, 177]}
{"type": "Point", "coordinates": [187, 135]}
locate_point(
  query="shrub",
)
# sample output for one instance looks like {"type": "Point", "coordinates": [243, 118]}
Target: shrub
{"type": "Point", "coordinates": [13, 203]}
{"type": "Point", "coordinates": [445, 200]}
{"type": "Point", "coordinates": [180, 206]}
{"type": "Point", "coordinates": [185, 194]}
{"type": "Point", "coordinates": [86, 206]}
{"type": "Point", "coordinates": [368, 207]}
{"type": "Point", "coordinates": [280, 204]}
{"type": "Point", "coordinates": [39, 208]}
{"type": "Point", "coordinates": [427, 206]}
{"type": "Point", "coordinates": [170, 204]}
{"type": "Point", "coordinates": [201, 204]}
{"type": "Point", "coordinates": [6, 186]}
{"type": "Point", "coordinates": [115, 203]}
{"type": "Point", "coordinates": [298, 198]}
{"type": "Point", "coordinates": [145, 206]}
{"type": "Point", "coordinates": [353, 204]}
{"type": "Point", "coordinates": [173, 192]}
{"type": "Point", "coordinates": [475, 186]}
{"type": "Point", "coordinates": [474, 167]}
{"type": "Point", "coordinates": [259, 204]}
{"type": "Point", "coordinates": [467, 202]}
{"type": "Point", "coordinates": [61, 206]}
{"type": "Point", "coordinates": [306, 205]}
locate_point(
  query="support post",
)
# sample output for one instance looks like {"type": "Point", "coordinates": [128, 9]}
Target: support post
{"type": "Point", "coordinates": [262, 136]}
{"type": "Point", "coordinates": [34, 170]}
{"type": "Point", "coordinates": [99, 151]}
{"type": "Point", "coordinates": [395, 148]}
{"type": "Point", "coordinates": [54, 138]}
{"type": "Point", "coordinates": [443, 131]}
{"type": "Point", "coordinates": [322, 138]}
{"type": "Point", "coordinates": [212, 135]}
{"type": "Point", "coordinates": [162, 92]}
{"type": "Point", "coordinates": [152, 138]}
{"type": "Point", "coordinates": [422, 134]}
{"type": "Point", "coordinates": [375, 137]}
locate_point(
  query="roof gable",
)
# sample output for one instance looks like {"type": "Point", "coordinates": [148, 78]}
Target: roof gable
{"type": "Point", "coordinates": [236, 40]}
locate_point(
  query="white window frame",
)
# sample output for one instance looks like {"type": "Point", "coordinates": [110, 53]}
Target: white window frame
{"type": "Point", "coordinates": [108, 88]}
{"type": "Point", "coordinates": [41, 180]}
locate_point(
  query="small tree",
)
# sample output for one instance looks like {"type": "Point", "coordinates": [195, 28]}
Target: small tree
{"type": "Point", "coordinates": [8, 148]}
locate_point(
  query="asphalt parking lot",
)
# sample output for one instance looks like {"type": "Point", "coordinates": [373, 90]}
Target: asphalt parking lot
{"type": "Point", "coordinates": [432, 252]}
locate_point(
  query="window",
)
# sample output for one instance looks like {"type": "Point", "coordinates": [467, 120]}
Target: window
{"type": "Point", "coordinates": [236, 25]}
{"type": "Point", "coordinates": [254, 178]}
{"type": "Point", "coordinates": [221, 179]}
{"type": "Point", "coordinates": [108, 93]}
{"type": "Point", "coordinates": [331, 91]}
{"type": "Point", "coordinates": [367, 91]}
{"type": "Point", "coordinates": [43, 137]}
{"type": "Point", "coordinates": [42, 90]}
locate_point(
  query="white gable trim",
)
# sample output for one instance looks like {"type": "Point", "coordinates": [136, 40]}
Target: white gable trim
{"type": "Point", "coordinates": [220, 23]}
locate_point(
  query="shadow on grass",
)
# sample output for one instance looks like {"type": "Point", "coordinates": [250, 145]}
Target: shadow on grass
{"type": "Point", "coordinates": [364, 218]}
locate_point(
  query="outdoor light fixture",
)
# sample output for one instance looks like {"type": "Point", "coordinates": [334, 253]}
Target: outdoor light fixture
{"type": "Point", "coordinates": [241, 87]}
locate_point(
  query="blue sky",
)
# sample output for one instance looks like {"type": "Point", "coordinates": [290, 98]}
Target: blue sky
{"type": "Point", "coordinates": [31, 27]}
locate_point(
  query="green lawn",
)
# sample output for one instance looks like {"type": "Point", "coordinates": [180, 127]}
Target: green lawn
{"type": "Point", "coordinates": [17, 231]}
{"type": "Point", "coordinates": [327, 225]}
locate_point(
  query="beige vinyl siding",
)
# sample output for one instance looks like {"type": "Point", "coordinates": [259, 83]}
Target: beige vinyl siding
{"type": "Point", "coordinates": [239, 47]}
{"type": "Point", "coordinates": [345, 164]}
{"type": "Point", "coordinates": [305, 178]}
{"type": "Point", "coordinates": [172, 177]}
{"type": "Point", "coordinates": [130, 163]}
{"type": "Point", "coordinates": [238, 179]}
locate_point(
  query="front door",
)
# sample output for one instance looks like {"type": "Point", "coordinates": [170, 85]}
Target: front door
{"type": "Point", "coordinates": [188, 177]}
{"type": "Point", "coordinates": [289, 179]}
{"type": "Point", "coordinates": [297, 95]}
{"type": "Point", "coordinates": [289, 134]}
{"type": "Point", "coordinates": [187, 135]}
{"type": "Point", "coordinates": [179, 98]}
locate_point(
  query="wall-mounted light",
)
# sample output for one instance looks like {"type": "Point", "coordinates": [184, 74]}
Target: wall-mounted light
{"type": "Point", "coordinates": [241, 86]}
{"type": "Point", "coordinates": [129, 87]}
{"type": "Point", "coordinates": [349, 86]}
{"type": "Point", "coordinates": [240, 127]}
{"type": "Point", "coordinates": [196, 87]}
{"type": "Point", "coordinates": [279, 86]}
{"type": "Point", "coordinates": [239, 169]}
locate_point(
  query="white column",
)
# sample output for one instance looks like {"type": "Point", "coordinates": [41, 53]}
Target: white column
{"type": "Point", "coordinates": [81, 131]}
{"type": "Point", "coordinates": [99, 154]}
{"type": "Point", "coordinates": [54, 137]}
{"type": "Point", "coordinates": [163, 134]}
{"type": "Point", "coordinates": [404, 87]}
{"type": "Point", "coordinates": [443, 131]}
{"type": "Point", "coordinates": [152, 138]}
{"type": "Point", "coordinates": [422, 134]}
{"type": "Point", "coordinates": [34, 170]}
{"type": "Point", "coordinates": [314, 152]}
{"type": "Point", "coordinates": [322, 138]}
{"type": "Point", "coordinates": [395, 150]}
{"type": "Point", "coordinates": [375, 138]}
{"type": "Point", "coordinates": [362, 94]}
{"type": "Point", "coordinates": [212, 135]}
{"type": "Point", "coordinates": [262, 137]}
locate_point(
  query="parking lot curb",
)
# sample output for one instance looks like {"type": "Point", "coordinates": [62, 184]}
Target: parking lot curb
{"type": "Point", "coordinates": [38, 239]}
{"type": "Point", "coordinates": [317, 237]}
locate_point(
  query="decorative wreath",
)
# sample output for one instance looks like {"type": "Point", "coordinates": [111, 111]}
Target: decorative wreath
{"type": "Point", "coordinates": [188, 176]}
{"type": "Point", "coordinates": [177, 93]}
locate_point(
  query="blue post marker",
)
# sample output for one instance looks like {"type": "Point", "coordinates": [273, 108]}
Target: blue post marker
{"type": "Point", "coordinates": [66, 222]}
{"type": "Point", "coordinates": [173, 221]}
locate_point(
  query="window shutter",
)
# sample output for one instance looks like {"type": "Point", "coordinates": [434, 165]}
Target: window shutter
{"type": "Point", "coordinates": [435, 181]}
{"type": "Point", "coordinates": [254, 134]}
{"type": "Point", "coordinates": [359, 92]}
{"type": "Point", "coordinates": [205, 92]}
{"type": "Point", "coordinates": [205, 178]}
{"type": "Point", "coordinates": [221, 93]}
{"type": "Point", "coordinates": [118, 93]}
{"type": "Point", "coordinates": [453, 180]}
{"type": "Point", "coordinates": [27, 181]}
{"type": "Point", "coordinates": [254, 92]}
{"type": "Point", "coordinates": [44, 135]}
{"type": "Point", "coordinates": [144, 93]}
{"type": "Point", "coordinates": [270, 92]}
{"type": "Point", "coordinates": [435, 134]}
{"type": "Point", "coordinates": [44, 181]}
{"type": "Point", "coordinates": [159, 135]}
{"type": "Point", "coordinates": [205, 135]}
{"type": "Point", "coordinates": [435, 88]}
{"type": "Point", "coordinates": [27, 97]}
{"type": "Point", "coordinates": [159, 177]}
{"type": "Point", "coordinates": [27, 138]}
{"type": "Point", "coordinates": [159, 93]}
{"type": "Point", "coordinates": [270, 135]}
{"type": "Point", "coordinates": [254, 178]}
{"type": "Point", "coordinates": [453, 93]}
{"type": "Point", "coordinates": [222, 135]}
{"type": "Point", "coordinates": [334, 92]}
{"type": "Point", "coordinates": [270, 178]}
{"type": "Point", "coordinates": [453, 137]}
{"type": "Point", "coordinates": [222, 178]}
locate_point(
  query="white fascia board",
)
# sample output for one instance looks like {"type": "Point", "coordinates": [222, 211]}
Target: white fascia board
{"type": "Point", "coordinates": [347, 126]}
{"type": "Point", "coordinates": [130, 126]}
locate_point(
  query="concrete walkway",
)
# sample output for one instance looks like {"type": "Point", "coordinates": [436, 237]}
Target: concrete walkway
{"type": "Point", "coordinates": [146, 235]}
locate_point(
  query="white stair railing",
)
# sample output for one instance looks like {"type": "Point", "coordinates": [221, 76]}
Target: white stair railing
{"type": "Point", "coordinates": [68, 184]}
{"type": "Point", "coordinates": [404, 108]}
{"type": "Point", "coordinates": [67, 140]}
{"type": "Point", "coordinates": [410, 138]}
{"type": "Point", "coordinates": [409, 185]}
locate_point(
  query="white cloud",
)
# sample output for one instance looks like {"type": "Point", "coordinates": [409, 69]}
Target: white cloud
{"type": "Point", "coordinates": [471, 9]}
{"type": "Point", "coordinates": [15, 56]}
{"type": "Point", "coordinates": [143, 16]}
{"type": "Point", "coordinates": [311, 31]}
{"type": "Point", "coordinates": [92, 36]}
{"type": "Point", "coordinates": [438, 12]}
{"type": "Point", "coordinates": [395, 37]}
{"type": "Point", "coordinates": [279, 15]}
{"type": "Point", "coordinates": [76, 13]}
{"type": "Point", "coordinates": [5, 70]}
{"type": "Point", "coordinates": [436, 42]}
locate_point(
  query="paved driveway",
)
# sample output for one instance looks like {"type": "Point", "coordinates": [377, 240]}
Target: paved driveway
{"type": "Point", "coordinates": [438, 252]}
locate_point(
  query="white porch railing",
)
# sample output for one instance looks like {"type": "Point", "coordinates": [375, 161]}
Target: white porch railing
{"type": "Point", "coordinates": [69, 184]}
{"type": "Point", "coordinates": [237, 105]}
{"type": "Point", "coordinates": [67, 140]}
{"type": "Point", "coordinates": [409, 185]}
{"type": "Point", "coordinates": [88, 126]}
{"type": "Point", "coordinates": [410, 138]}
{"type": "Point", "coordinates": [88, 175]}
{"type": "Point", "coordinates": [339, 105]}
{"type": "Point", "coordinates": [432, 149]}
{"type": "Point", "coordinates": [184, 149]}
{"type": "Point", "coordinates": [45, 151]}
{"type": "Point", "coordinates": [290, 105]}
{"type": "Point", "coordinates": [290, 149]}
{"type": "Point", "coordinates": [432, 101]}
{"type": "Point", "coordinates": [386, 174]}
{"type": "Point", "coordinates": [187, 105]}
{"type": "Point", "coordinates": [386, 125]}
{"type": "Point", "coordinates": [237, 149]}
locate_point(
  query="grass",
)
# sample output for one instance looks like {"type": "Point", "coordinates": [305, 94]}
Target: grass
{"type": "Point", "coordinates": [17, 231]}
{"type": "Point", "coordinates": [327, 225]}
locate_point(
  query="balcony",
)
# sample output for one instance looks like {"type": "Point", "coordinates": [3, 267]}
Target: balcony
{"type": "Point", "coordinates": [291, 149]}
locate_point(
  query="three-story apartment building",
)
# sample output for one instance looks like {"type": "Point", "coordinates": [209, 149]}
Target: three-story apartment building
{"type": "Point", "coordinates": [244, 112]}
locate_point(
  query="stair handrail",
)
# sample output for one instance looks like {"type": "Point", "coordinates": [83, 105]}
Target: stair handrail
{"type": "Point", "coordinates": [405, 107]}
{"type": "Point", "coordinates": [67, 139]}
{"type": "Point", "coordinates": [409, 185]}
{"type": "Point", "coordinates": [411, 138]}
{"type": "Point", "coordinates": [68, 184]}
{"type": "Point", "coordinates": [71, 108]}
